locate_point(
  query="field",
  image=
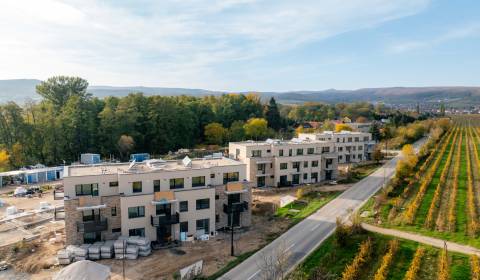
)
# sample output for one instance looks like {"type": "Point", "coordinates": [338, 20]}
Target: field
{"type": "Point", "coordinates": [441, 198]}
{"type": "Point", "coordinates": [373, 256]}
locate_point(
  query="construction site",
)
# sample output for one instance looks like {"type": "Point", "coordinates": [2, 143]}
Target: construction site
{"type": "Point", "coordinates": [32, 238]}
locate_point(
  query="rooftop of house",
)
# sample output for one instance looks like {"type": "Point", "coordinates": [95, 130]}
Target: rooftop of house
{"type": "Point", "coordinates": [277, 142]}
{"type": "Point", "coordinates": [148, 166]}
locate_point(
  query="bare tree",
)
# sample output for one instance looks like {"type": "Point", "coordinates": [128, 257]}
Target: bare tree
{"type": "Point", "coordinates": [275, 265]}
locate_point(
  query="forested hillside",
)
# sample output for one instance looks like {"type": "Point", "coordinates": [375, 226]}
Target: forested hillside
{"type": "Point", "coordinates": [69, 121]}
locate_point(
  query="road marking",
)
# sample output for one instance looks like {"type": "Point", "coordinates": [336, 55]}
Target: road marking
{"type": "Point", "coordinates": [290, 247]}
{"type": "Point", "coordinates": [315, 227]}
{"type": "Point", "coordinates": [255, 274]}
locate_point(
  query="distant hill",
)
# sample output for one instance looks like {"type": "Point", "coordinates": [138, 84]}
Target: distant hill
{"type": "Point", "coordinates": [23, 89]}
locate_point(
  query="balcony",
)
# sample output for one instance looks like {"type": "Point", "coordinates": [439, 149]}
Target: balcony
{"type": "Point", "coordinates": [165, 220]}
{"type": "Point", "coordinates": [96, 225]}
{"type": "Point", "coordinates": [235, 207]}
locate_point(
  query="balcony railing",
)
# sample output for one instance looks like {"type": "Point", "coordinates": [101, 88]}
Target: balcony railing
{"type": "Point", "coordinates": [235, 207]}
{"type": "Point", "coordinates": [165, 220]}
{"type": "Point", "coordinates": [96, 225]}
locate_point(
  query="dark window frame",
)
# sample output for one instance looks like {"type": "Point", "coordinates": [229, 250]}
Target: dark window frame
{"type": "Point", "coordinates": [138, 213]}
{"type": "Point", "coordinates": [202, 203]}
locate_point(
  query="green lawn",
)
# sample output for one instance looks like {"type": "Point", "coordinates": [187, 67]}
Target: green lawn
{"type": "Point", "coordinates": [359, 172]}
{"type": "Point", "coordinates": [333, 259]}
{"type": "Point", "coordinates": [313, 202]}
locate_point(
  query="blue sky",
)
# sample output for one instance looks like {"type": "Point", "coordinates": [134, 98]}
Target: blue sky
{"type": "Point", "coordinates": [240, 45]}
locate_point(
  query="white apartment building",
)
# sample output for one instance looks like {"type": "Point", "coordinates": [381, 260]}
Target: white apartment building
{"type": "Point", "coordinates": [165, 201]}
{"type": "Point", "coordinates": [350, 146]}
{"type": "Point", "coordinates": [285, 163]}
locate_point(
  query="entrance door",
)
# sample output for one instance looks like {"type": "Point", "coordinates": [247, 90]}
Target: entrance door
{"type": "Point", "coordinates": [234, 198]}
{"type": "Point", "coordinates": [164, 234]}
{"type": "Point", "coordinates": [296, 179]}
{"type": "Point", "coordinates": [328, 175]}
{"type": "Point", "coordinates": [347, 158]}
{"type": "Point", "coordinates": [261, 181]}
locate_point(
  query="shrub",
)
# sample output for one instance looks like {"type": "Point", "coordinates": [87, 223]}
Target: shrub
{"type": "Point", "coordinates": [415, 265]}
{"type": "Point", "coordinates": [382, 271]}
{"type": "Point", "coordinates": [363, 256]}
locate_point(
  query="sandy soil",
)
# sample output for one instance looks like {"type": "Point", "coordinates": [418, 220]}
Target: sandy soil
{"type": "Point", "coordinates": [25, 203]}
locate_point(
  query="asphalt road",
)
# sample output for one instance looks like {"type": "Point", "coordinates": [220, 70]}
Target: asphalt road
{"type": "Point", "coordinates": [303, 238]}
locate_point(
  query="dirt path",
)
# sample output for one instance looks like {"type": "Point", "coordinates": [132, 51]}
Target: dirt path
{"type": "Point", "coordinates": [435, 242]}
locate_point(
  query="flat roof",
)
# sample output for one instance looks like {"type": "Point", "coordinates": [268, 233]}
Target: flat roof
{"type": "Point", "coordinates": [275, 142]}
{"type": "Point", "coordinates": [148, 166]}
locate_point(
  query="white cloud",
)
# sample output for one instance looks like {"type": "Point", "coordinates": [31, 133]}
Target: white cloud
{"type": "Point", "coordinates": [170, 42]}
{"type": "Point", "coordinates": [461, 32]}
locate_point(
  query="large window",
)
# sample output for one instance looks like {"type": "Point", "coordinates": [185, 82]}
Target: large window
{"type": "Point", "coordinates": [86, 189]}
{"type": "Point", "coordinates": [299, 152]}
{"type": "Point", "coordinates": [296, 165]}
{"type": "Point", "coordinates": [280, 153]}
{"type": "Point", "coordinates": [156, 185]}
{"type": "Point", "coordinates": [203, 224]}
{"type": "Point", "coordinates": [198, 181]}
{"type": "Point", "coordinates": [230, 177]}
{"type": "Point", "coordinates": [305, 164]}
{"type": "Point", "coordinates": [88, 215]}
{"type": "Point", "coordinates": [184, 206]}
{"type": "Point", "coordinates": [310, 151]}
{"type": "Point", "coordinates": [176, 183]}
{"type": "Point", "coordinates": [256, 153]}
{"type": "Point", "coordinates": [137, 232]}
{"type": "Point", "coordinates": [315, 163]}
{"type": "Point", "coordinates": [137, 187]}
{"type": "Point", "coordinates": [114, 211]}
{"type": "Point", "coordinates": [136, 212]}
{"type": "Point", "coordinates": [203, 203]}
{"type": "Point", "coordinates": [113, 184]}
{"type": "Point", "coordinates": [283, 165]}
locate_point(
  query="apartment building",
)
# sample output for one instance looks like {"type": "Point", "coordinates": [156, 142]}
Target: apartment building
{"type": "Point", "coordinates": [350, 146]}
{"type": "Point", "coordinates": [165, 201]}
{"type": "Point", "coordinates": [285, 163]}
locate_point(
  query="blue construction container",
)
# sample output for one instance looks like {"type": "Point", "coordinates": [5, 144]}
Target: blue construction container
{"type": "Point", "coordinates": [89, 158]}
{"type": "Point", "coordinates": [139, 157]}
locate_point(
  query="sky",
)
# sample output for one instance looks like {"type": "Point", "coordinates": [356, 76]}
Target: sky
{"type": "Point", "coordinates": [244, 45]}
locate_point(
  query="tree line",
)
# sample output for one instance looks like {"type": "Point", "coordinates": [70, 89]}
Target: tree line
{"type": "Point", "coordinates": [69, 121]}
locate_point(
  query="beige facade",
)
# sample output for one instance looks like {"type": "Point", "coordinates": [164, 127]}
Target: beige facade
{"type": "Point", "coordinates": [162, 200]}
{"type": "Point", "coordinates": [283, 163]}
{"type": "Point", "coordinates": [351, 147]}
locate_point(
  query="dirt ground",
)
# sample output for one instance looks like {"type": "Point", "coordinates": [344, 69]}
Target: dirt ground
{"type": "Point", "coordinates": [25, 203]}
{"type": "Point", "coordinates": [215, 253]}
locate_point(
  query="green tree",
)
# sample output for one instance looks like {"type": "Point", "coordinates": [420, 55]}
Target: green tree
{"type": "Point", "coordinates": [236, 132]}
{"type": "Point", "coordinates": [125, 146]}
{"type": "Point", "coordinates": [215, 133]}
{"type": "Point", "coordinates": [375, 131]}
{"type": "Point", "coordinates": [273, 115]}
{"type": "Point", "coordinates": [59, 89]}
{"type": "Point", "coordinates": [256, 128]}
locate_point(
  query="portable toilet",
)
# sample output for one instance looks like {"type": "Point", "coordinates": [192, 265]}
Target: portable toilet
{"type": "Point", "coordinates": [89, 158]}
{"type": "Point", "coordinates": [139, 157]}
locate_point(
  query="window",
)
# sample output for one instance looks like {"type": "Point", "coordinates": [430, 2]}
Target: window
{"type": "Point", "coordinates": [296, 165]}
{"type": "Point", "coordinates": [136, 212]}
{"type": "Point", "coordinates": [217, 197]}
{"type": "Point", "coordinates": [217, 218]}
{"type": "Point", "coordinates": [280, 153]}
{"type": "Point", "coordinates": [314, 163]}
{"type": "Point", "coordinates": [203, 224]}
{"type": "Point", "coordinates": [116, 230]}
{"type": "Point", "coordinates": [325, 149]}
{"type": "Point", "coordinates": [299, 152]}
{"type": "Point", "coordinates": [113, 184]}
{"type": "Point", "coordinates": [136, 232]}
{"type": "Point", "coordinates": [203, 203]}
{"type": "Point", "coordinates": [256, 153]}
{"type": "Point", "coordinates": [261, 167]}
{"type": "Point", "coordinates": [290, 152]}
{"type": "Point", "coordinates": [360, 148]}
{"type": "Point", "coordinates": [88, 215]}
{"type": "Point", "coordinates": [269, 151]}
{"type": "Point", "coordinates": [365, 138]}
{"type": "Point", "coordinates": [114, 211]}
{"type": "Point", "coordinates": [183, 206]}
{"type": "Point", "coordinates": [86, 189]}
{"type": "Point", "coordinates": [340, 158]}
{"type": "Point", "coordinates": [137, 187]}
{"type": "Point", "coordinates": [340, 149]}
{"type": "Point", "coordinates": [310, 151]}
{"type": "Point", "coordinates": [349, 139]}
{"type": "Point", "coordinates": [230, 177]}
{"type": "Point", "coordinates": [357, 139]}
{"type": "Point", "coordinates": [156, 185]}
{"type": "Point", "coordinates": [360, 157]}
{"type": "Point", "coordinates": [198, 181]}
{"type": "Point", "coordinates": [212, 175]}
{"type": "Point", "coordinates": [176, 183]}
{"type": "Point", "coordinates": [305, 164]}
{"type": "Point", "coordinates": [305, 176]}
{"type": "Point", "coordinates": [183, 226]}
{"type": "Point", "coordinates": [283, 165]}
{"type": "Point", "coordinates": [314, 176]}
